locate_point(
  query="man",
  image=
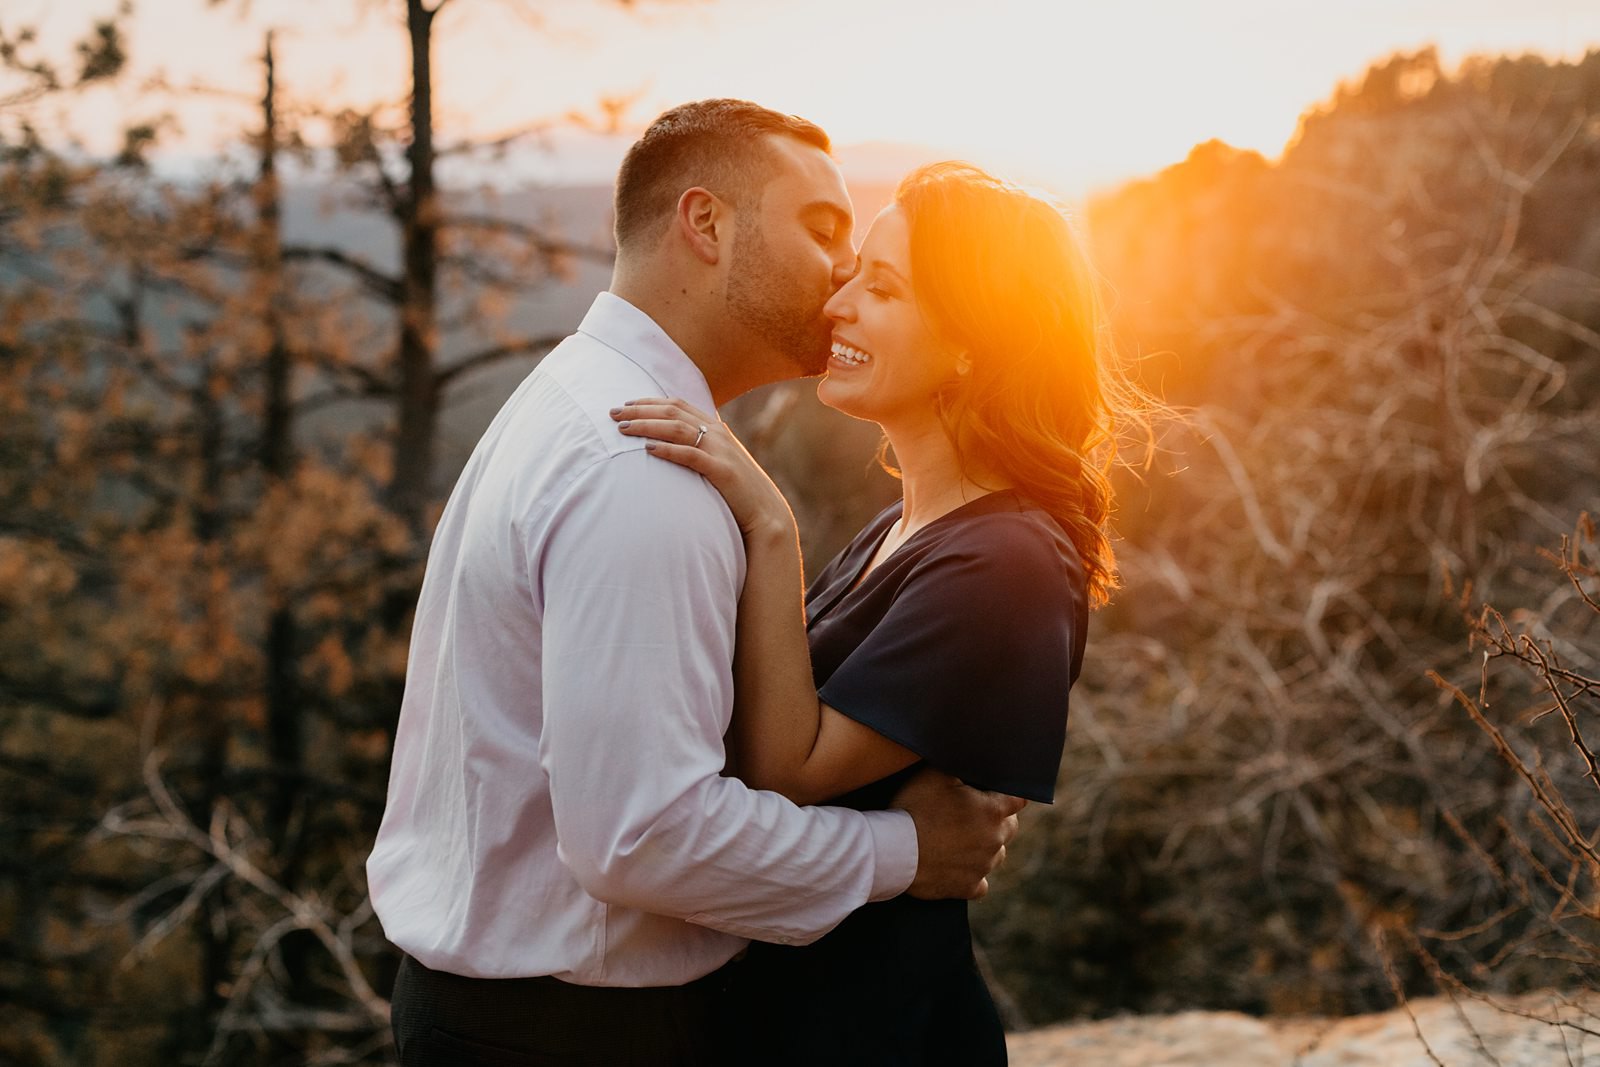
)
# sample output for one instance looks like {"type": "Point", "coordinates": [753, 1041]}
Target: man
{"type": "Point", "coordinates": [561, 859]}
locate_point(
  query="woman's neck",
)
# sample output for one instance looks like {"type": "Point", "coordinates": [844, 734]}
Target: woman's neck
{"type": "Point", "coordinates": [932, 480]}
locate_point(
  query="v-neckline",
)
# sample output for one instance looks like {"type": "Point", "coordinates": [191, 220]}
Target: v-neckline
{"type": "Point", "coordinates": [866, 567]}
{"type": "Point", "coordinates": [865, 570]}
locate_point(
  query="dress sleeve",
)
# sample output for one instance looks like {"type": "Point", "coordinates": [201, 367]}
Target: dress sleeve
{"type": "Point", "coordinates": [971, 665]}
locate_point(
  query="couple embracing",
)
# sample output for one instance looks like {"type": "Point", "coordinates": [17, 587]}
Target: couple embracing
{"type": "Point", "coordinates": [652, 803]}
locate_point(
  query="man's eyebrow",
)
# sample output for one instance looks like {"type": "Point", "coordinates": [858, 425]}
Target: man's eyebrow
{"type": "Point", "coordinates": [840, 215]}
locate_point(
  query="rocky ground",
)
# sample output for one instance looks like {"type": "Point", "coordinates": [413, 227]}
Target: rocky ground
{"type": "Point", "coordinates": [1538, 1030]}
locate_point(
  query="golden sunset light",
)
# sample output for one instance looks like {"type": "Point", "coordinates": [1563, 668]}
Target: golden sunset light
{"type": "Point", "coordinates": [1071, 95]}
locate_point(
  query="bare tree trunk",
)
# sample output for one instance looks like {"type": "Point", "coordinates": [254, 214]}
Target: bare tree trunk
{"type": "Point", "coordinates": [418, 394]}
{"type": "Point", "coordinates": [285, 729]}
{"type": "Point", "coordinates": [276, 437]}
{"type": "Point", "coordinates": [216, 940]}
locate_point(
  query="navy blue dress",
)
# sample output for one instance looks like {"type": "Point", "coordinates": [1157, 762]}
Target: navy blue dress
{"type": "Point", "coordinates": [961, 646]}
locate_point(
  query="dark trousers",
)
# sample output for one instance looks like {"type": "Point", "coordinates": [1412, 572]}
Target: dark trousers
{"type": "Point", "coordinates": [445, 1020]}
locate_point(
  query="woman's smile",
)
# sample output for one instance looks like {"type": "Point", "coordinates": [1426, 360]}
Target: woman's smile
{"type": "Point", "coordinates": [848, 355]}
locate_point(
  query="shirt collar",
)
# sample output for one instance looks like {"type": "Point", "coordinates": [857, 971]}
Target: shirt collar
{"type": "Point", "coordinates": [622, 327]}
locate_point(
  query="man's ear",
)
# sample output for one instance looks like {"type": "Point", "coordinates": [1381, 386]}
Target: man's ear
{"type": "Point", "coordinates": [704, 223]}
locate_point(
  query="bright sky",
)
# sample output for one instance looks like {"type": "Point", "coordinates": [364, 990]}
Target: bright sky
{"type": "Point", "coordinates": [1065, 93]}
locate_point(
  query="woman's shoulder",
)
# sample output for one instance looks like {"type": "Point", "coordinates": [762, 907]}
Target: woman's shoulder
{"type": "Point", "coordinates": [1007, 532]}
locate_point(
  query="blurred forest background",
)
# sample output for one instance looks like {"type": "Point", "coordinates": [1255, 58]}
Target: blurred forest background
{"type": "Point", "coordinates": [1330, 749]}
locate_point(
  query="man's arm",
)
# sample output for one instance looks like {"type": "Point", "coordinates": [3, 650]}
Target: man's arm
{"type": "Point", "coordinates": [639, 580]}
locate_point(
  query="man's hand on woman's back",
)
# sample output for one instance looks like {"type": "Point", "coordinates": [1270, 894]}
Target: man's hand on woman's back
{"type": "Point", "coordinates": [962, 835]}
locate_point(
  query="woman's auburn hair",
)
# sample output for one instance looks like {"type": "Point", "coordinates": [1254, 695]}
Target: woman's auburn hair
{"type": "Point", "coordinates": [1000, 276]}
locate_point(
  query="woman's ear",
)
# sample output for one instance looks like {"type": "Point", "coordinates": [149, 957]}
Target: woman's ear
{"type": "Point", "coordinates": [702, 220]}
{"type": "Point", "coordinates": [963, 364]}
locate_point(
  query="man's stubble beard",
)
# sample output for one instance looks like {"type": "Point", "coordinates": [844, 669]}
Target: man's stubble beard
{"type": "Point", "coordinates": [764, 299]}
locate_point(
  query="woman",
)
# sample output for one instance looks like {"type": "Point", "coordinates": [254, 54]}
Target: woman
{"type": "Point", "coordinates": [950, 630]}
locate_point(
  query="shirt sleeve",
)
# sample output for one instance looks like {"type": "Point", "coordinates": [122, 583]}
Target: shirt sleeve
{"type": "Point", "coordinates": [970, 666]}
{"type": "Point", "coordinates": [640, 578]}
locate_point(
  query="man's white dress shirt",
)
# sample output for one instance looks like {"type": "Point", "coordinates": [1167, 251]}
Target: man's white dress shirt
{"type": "Point", "coordinates": [556, 804]}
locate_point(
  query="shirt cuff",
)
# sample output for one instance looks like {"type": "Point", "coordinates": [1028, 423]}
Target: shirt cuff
{"type": "Point", "coordinates": [894, 838]}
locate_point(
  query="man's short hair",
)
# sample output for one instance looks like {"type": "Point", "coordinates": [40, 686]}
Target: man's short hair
{"type": "Point", "coordinates": [719, 145]}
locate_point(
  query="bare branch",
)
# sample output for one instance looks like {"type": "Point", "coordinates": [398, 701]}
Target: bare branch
{"type": "Point", "coordinates": [489, 356]}
{"type": "Point", "coordinates": [386, 287]}
{"type": "Point", "coordinates": [534, 237]}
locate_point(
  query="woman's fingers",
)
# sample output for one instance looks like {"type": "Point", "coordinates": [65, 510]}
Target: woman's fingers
{"type": "Point", "coordinates": [674, 432]}
{"type": "Point", "coordinates": [662, 408]}
{"type": "Point", "coordinates": [633, 412]}
{"type": "Point", "coordinates": [669, 421]}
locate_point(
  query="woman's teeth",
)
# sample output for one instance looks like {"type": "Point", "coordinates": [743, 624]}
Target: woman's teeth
{"type": "Point", "coordinates": [853, 356]}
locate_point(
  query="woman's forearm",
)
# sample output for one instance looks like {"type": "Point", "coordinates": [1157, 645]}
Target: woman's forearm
{"type": "Point", "coordinates": [776, 714]}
